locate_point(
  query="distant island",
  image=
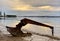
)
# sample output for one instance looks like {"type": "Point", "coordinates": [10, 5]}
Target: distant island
{"type": "Point", "coordinates": [6, 15]}
{"type": "Point", "coordinates": [11, 16]}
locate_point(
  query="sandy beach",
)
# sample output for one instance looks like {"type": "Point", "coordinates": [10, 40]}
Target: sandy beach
{"type": "Point", "coordinates": [5, 37]}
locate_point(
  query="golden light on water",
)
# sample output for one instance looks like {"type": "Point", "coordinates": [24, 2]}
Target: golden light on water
{"type": "Point", "coordinates": [13, 23]}
{"type": "Point", "coordinates": [36, 27]}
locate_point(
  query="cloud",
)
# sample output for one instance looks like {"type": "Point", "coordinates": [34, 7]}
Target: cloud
{"type": "Point", "coordinates": [0, 4]}
{"type": "Point", "coordinates": [40, 8]}
{"type": "Point", "coordinates": [31, 5]}
{"type": "Point", "coordinates": [37, 2]}
{"type": "Point", "coordinates": [42, 2]}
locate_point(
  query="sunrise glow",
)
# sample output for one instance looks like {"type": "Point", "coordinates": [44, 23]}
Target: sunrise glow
{"type": "Point", "coordinates": [23, 8]}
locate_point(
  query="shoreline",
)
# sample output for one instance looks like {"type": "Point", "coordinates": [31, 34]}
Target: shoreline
{"type": "Point", "coordinates": [6, 37]}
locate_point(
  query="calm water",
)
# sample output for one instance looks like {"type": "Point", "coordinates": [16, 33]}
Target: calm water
{"type": "Point", "coordinates": [50, 21]}
{"type": "Point", "coordinates": [47, 20]}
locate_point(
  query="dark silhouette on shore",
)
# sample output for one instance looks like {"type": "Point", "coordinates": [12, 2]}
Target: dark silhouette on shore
{"type": "Point", "coordinates": [17, 30]}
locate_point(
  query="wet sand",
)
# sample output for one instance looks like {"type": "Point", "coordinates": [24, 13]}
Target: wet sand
{"type": "Point", "coordinates": [5, 37]}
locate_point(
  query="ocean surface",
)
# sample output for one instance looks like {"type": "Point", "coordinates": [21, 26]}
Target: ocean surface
{"type": "Point", "coordinates": [53, 21]}
{"type": "Point", "coordinates": [33, 13]}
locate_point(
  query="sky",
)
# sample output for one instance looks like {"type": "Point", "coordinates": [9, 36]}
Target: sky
{"type": "Point", "coordinates": [29, 5]}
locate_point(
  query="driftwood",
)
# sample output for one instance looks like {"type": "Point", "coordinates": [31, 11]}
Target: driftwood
{"type": "Point", "coordinates": [25, 21]}
{"type": "Point", "coordinates": [17, 30]}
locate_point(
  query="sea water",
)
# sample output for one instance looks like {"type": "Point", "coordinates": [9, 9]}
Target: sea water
{"type": "Point", "coordinates": [53, 21]}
